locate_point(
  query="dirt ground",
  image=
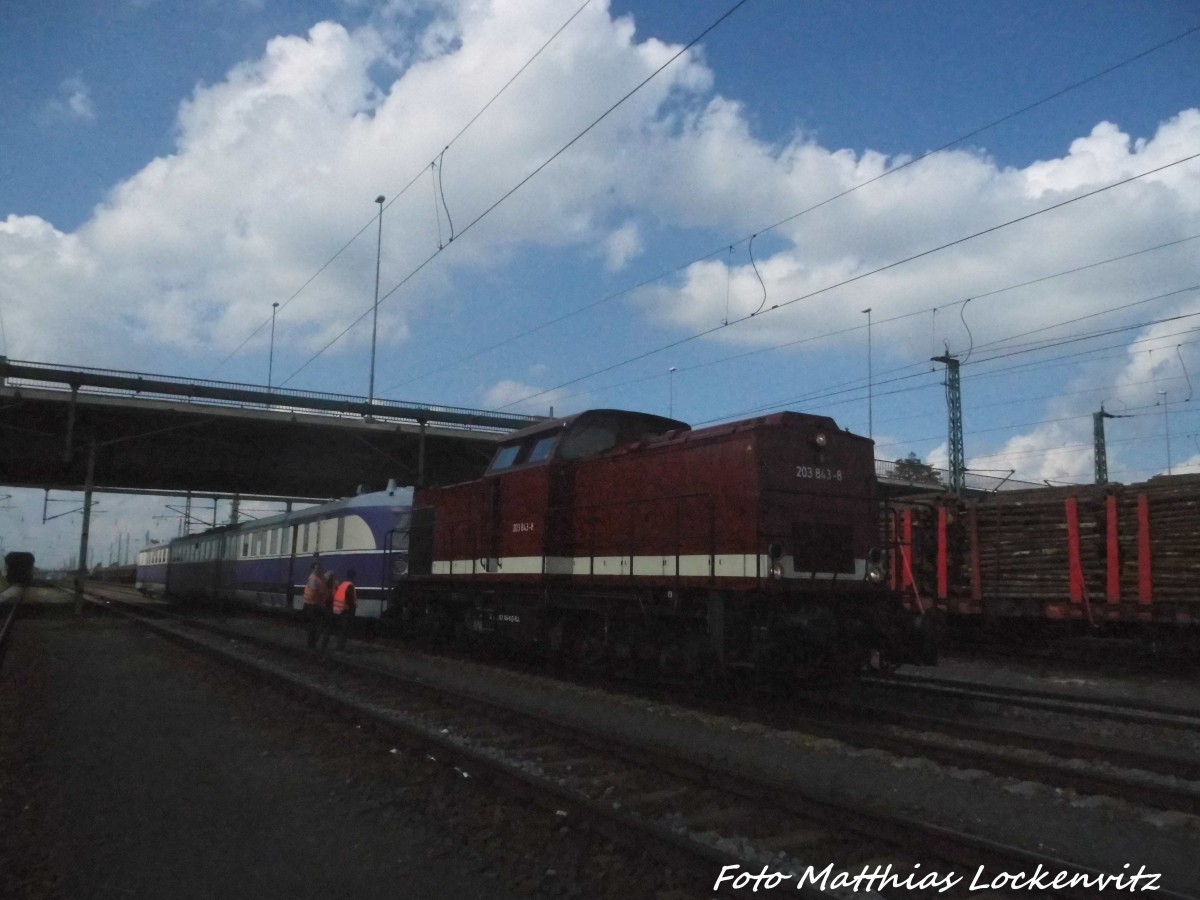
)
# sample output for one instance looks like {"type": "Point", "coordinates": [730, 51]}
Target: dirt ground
{"type": "Point", "coordinates": [131, 769]}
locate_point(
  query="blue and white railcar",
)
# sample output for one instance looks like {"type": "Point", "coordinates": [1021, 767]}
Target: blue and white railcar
{"type": "Point", "coordinates": [151, 576]}
{"type": "Point", "coordinates": [267, 561]}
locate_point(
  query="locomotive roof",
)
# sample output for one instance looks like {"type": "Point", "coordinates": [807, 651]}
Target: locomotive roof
{"type": "Point", "coordinates": [581, 436]}
{"type": "Point", "coordinates": [548, 425]}
{"type": "Point", "coordinates": [779, 418]}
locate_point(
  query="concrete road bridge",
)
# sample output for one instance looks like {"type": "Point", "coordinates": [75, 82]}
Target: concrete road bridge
{"type": "Point", "coordinates": [75, 428]}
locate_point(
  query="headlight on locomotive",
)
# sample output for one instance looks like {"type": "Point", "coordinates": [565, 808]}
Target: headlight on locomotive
{"type": "Point", "coordinates": [875, 565]}
{"type": "Point", "coordinates": [775, 553]}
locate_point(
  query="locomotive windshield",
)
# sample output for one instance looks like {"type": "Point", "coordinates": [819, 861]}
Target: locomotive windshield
{"type": "Point", "coordinates": [602, 431]}
{"type": "Point", "coordinates": [580, 437]}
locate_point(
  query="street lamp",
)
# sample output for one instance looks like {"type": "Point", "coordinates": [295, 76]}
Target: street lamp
{"type": "Point", "coordinates": [271, 355]}
{"type": "Point", "coordinates": [671, 392]}
{"type": "Point", "coordinates": [870, 381]}
{"type": "Point", "coordinates": [375, 315]}
{"type": "Point", "coordinates": [1166, 429]}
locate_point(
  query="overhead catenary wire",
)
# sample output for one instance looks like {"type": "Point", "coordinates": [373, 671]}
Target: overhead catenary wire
{"type": "Point", "coordinates": [859, 277]}
{"type": "Point", "coordinates": [829, 394]}
{"type": "Point", "coordinates": [996, 404]}
{"type": "Point", "coordinates": [712, 253]}
{"type": "Point", "coordinates": [529, 177]}
{"type": "Point", "coordinates": [878, 322]}
{"type": "Point", "coordinates": [855, 386]}
{"type": "Point", "coordinates": [406, 187]}
{"type": "Point", "coordinates": [761, 283]}
{"type": "Point", "coordinates": [1152, 410]}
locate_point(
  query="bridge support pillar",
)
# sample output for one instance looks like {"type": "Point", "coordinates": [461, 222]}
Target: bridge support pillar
{"type": "Point", "coordinates": [88, 485]}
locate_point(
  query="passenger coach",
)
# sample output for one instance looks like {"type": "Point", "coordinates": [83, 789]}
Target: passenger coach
{"type": "Point", "coordinates": [267, 561]}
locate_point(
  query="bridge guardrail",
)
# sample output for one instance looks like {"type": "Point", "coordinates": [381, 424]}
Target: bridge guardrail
{"type": "Point", "coordinates": [112, 382]}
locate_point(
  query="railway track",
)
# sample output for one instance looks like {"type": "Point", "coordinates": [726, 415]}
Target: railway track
{"type": "Point", "coordinates": [1116, 709]}
{"type": "Point", "coordinates": [1164, 780]}
{"type": "Point", "coordinates": [704, 817]}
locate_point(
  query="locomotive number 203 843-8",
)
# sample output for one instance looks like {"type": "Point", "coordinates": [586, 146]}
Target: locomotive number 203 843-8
{"type": "Point", "coordinates": [817, 473]}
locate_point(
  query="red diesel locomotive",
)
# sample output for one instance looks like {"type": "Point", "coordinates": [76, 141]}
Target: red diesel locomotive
{"type": "Point", "coordinates": [628, 538]}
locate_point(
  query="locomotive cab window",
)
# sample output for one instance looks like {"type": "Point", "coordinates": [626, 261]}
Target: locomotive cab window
{"type": "Point", "coordinates": [534, 449]}
{"type": "Point", "coordinates": [542, 448]}
{"type": "Point", "coordinates": [506, 457]}
{"type": "Point", "coordinates": [601, 432]}
{"type": "Point", "coordinates": [589, 440]}
{"type": "Point", "coordinates": [582, 437]}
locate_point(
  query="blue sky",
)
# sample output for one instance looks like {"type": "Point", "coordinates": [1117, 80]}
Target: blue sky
{"type": "Point", "coordinates": [171, 169]}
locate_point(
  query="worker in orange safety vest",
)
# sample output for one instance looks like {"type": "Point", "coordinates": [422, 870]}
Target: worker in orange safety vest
{"type": "Point", "coordinates": [314, 592]}
{"type": "Point", "coordinates": [345, 601]}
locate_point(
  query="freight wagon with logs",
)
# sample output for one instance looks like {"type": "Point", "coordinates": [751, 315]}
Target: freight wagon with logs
{"type": "Point", "coordinates": [1096, 554]}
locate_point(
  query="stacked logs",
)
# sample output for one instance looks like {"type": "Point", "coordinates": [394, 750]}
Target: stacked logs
{"type": "Point", "coordinates": [1174, 515]}
{"type": "Point", "coordinates": [1019, 540]}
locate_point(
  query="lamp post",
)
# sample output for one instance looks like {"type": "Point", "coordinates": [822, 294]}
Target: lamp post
{"type": "Point", "coordinates": [375, 314]}
{"type": "Point", "coordinates": [271, 355]}
{"type": "Point", "coordinates": [1166, 428]}
{"type": "Point", "coordinates": [671, 392]}
{"type": "Point", "coordinates": [870, 381]}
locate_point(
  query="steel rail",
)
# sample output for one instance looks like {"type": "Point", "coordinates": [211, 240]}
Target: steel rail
{"type": "Point", "coordinates": [992, 751]}
{"type": "Point", "coordinates": [754, 792]}
{"type": "Point", "coordinates": [16, 595]}
{"type": "Point", "coordinates": [1093, 707]}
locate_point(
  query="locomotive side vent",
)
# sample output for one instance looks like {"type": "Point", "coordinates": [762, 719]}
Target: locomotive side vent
{"type": "Point", "coordinates": [820, 547]}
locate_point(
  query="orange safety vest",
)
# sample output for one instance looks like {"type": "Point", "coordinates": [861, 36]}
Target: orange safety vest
{"type": "Point", "coordinates": [343, 596]}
